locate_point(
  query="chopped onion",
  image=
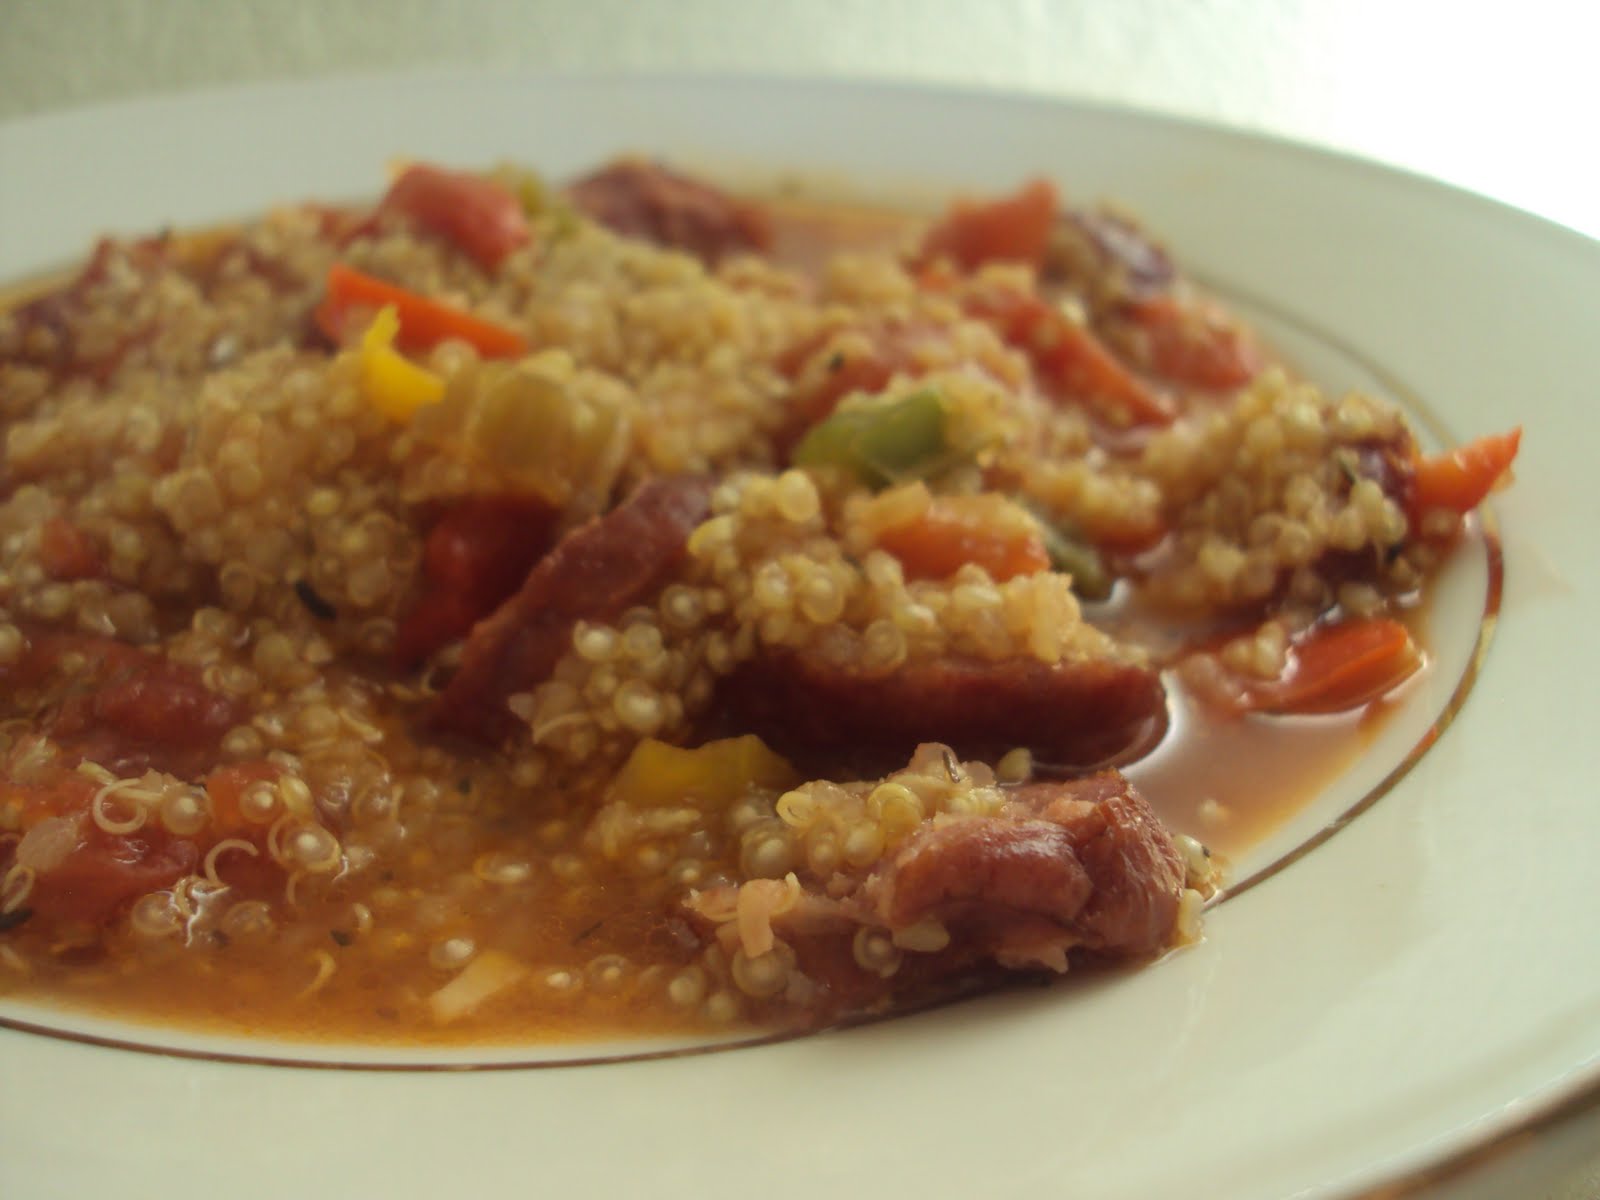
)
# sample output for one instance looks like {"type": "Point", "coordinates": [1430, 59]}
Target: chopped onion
{"type": "Point", "coordinates": [485, 976]}
{"type": "Point", "coordinates": [47, 843]}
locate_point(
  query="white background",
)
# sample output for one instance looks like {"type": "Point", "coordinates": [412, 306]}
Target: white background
{"type": "Point", "coordinates": [1501, 97]}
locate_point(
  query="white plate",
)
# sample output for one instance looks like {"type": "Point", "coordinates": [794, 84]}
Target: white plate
{"type": "Point", "coordinates": [1416, 986]}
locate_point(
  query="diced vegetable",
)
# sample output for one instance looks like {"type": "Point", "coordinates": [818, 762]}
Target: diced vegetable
{"type": "Point", "coordinates": [424, 323]}
{"type": "Point", "coordinates": [713, 776]}
{"type": "Point", "coordinates": [1458, 480]}
{"type": "Point", "coordinates": [392, 384]}
{"type": "Point", "coordinates": [1014, 228]}
{"type": "Point", "coordinates": [485, 977]}
{"type": "Point", "coordinates": [1073, 556]}
{"type": "Point", "coordinates": [530, 189]}
{"type": "Point", "coordinates": [1070, 360]}
{"type": "Point", "coordinates": [1196, 346]}
{"type": "Point", "coordinates": [49, 841]}
{"type": "Point", "coordinates": [1342, 666]}
{"type": "Point", "coordinates": [847, 373]}
{"type": "Point", "coordinates": [542, 435]}
{"type": "Point", "coordinates": [483, 219]}
{"type": "Point", "coordinates": [956, 530]}
{"type": "Point", "coordinates": [881, 442]}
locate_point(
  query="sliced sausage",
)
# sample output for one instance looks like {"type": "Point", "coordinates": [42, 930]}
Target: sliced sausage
{"type": "Point", "coordinates": [643, 200]}
{"type": "Point", "coordinates": [1072, 714]}
{"type": "Point", "coordinates": [1080, 864]}
{"type": "Point", "coordinates": [477, 555]}
{"type": "Point", "coordinates": [1391, 464]}
{"type": "Point", "coordinates": [1105, 259]}
{"type": "Point", "coordinates": [595, 572]}
{"type": "Point", "coordinates": [1062, 869]}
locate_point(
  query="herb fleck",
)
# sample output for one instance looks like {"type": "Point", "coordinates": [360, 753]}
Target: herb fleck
{"type": "Point", "coordinates": [14, 918]}
{"type": "Point", "coordinates": [315, 604]}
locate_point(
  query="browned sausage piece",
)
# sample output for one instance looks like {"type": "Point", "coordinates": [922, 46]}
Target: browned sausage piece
{"type": "Point", "coordinates": [1391, 464]}
{"type": "Point", "coordinates": [642, 200]}
{"type": "Point", "coordinates": [1079, 864]}
{"type": "Point", "coordinates": [1106, 259]}
{"type": "Point", "coordinates": [595, 572]}
{"type": "Point", "coordinates": [1072, 714]}
{"type": "Point", "coordinates": [1063, 867]}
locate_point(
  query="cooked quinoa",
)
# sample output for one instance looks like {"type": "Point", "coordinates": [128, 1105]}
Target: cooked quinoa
{"type": "Point", "coordinates": [315, 692]}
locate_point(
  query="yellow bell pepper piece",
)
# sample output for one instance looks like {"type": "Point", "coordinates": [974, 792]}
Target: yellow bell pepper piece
{"type": "Point", "coordinates": [393, 384]}
{"type": "Point", "coordinates": [713, 776]}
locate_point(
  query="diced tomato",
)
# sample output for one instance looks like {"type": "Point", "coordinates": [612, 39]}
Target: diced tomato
{"type": "Point", "coordinates": [1071, 362]}
{"type": "Point", "coordinates": [165, 704]}
{"type": "Point", "coordinates": [1014, 228]}
{"type": "Point", "coordinates": [61, 794]}
{"type": "Point", "coordinates": [846, 373]}
{"type": "Point", "coordinates": [865, 363]}
{"type": "Point", "coordinates": [66, 552]}
{"type": "Point", "coordinates": [1196, 346]}
{"type": "Point", "coordinates": [352, 298]}
{"type": "Point", "coordinates": [953, 532]}
{"type": "Point", "coordinates": [868, 373]}
{"type": "Point", "coordinates": [142, 712]}
{"type": "Point", "coordinates": [340, 225]}
{"type": "Point", "coordinates": [477, 554]}
{"type": "Point", "coordinates": [126, 708]}
{"type": "Point", "coordinates": [1458, 480]}
{"type": "Point", "coordinates": [481, 218]}
{"type": "Point", "coordinates": [108, 871]}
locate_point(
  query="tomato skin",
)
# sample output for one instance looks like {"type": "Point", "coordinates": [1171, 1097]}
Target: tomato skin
{"type": "Point", "coordinates": [1012, 228]}
{"type": "Point", "coordinates": [1071, 362]}
{"type": "Point", "coordinates": [123, 707]}
{"type": "Point", "coordinates": [481, 218]}
{"type": "Point", "coordinates": [851, 368]}
{"type": "Point", "coordinates": [847, 373]}
{"type": "Point", "coordinates": [107, 872]}
{"type": "Point", "coordinates": [1196, 346]}
{"type": "Point", "coordinates": [476, 556]}
{"type": "Point", "coordinates": [164, 704]}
